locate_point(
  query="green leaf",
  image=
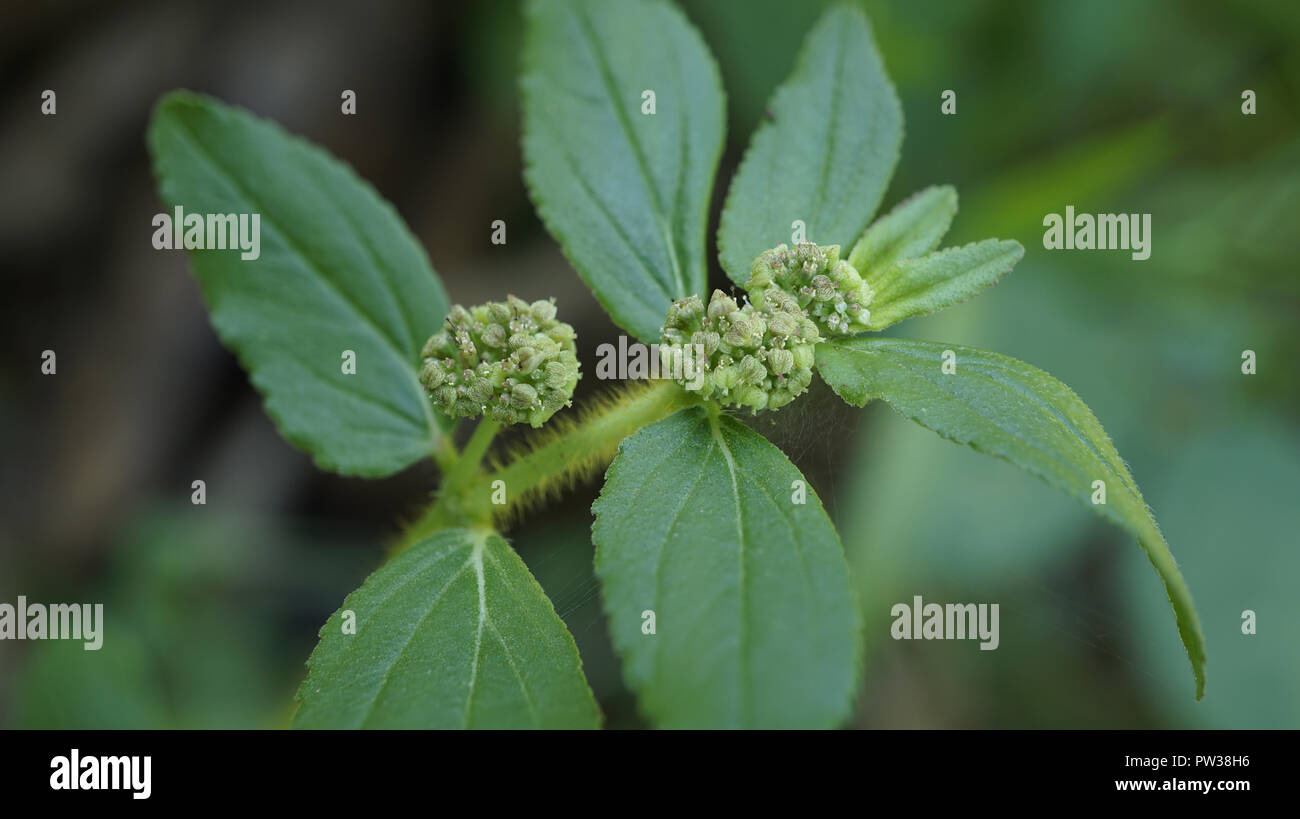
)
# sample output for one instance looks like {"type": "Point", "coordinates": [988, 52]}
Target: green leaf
{"type": "Point", "coordinates": [1004, 407]}
{"type": "Point", "coordinates": [915, 287]}
{"type": "Point", "coordinates": [826, 153]}
{"type": "Point", "coordinates": [452, 633]}
{"type": "Point", "coordinates": [913, 228]}
{"type": "Point", "coordinates": [755, 621]}
{"type": "Point", "coordinates": [625, 193]}
{"type": "Point", "coordinates": [337, 271]}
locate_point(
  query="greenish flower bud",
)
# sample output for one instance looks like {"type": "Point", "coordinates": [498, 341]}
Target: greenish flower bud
{"type": "Point", "coordinates": [480, 391]}
{"type": "Point", "coordinates": [780, 361]}
{"type": "Point", "coordinates": [432, 373]}
{"type": "Point", "coordinates": [753, 396]}
{"type": "Point", "coordinates": [523, 397]}
{"type": "Point", "coordinates": [543, 311]}
{"type": "Point", "coordinates": [823, 288]}
{"type": "Point", "coordinates": [783, 324]}
{"type": "Point", "coordinates": [726, 377]}
{"type": "Point", "coordinates": [556, 375]}
{"type": "Point", "coordinates": [803, 356]}
{"type": "Point", "coordinates": [741, 333]}
{"type": "Point", "coordinates": [708, 340]}
{"type": "Point", "coordinates": [721, 306]}
{"type": "Point", "coordinates": [499, 312]}
{"type": "Point", "coordinates": [526, 359]}
{"type": "Point", "coordinates": [752, 371]}
{"type": "Point", "coordinates": [826, 286]}
{"type": "Point", "coordinates": [752, 356]}
{"type": "Point", "coordinates": [511, 360]}
{"type": "Point", "coordinates": [494, 335]}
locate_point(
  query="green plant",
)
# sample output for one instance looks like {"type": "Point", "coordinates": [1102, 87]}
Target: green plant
{"type": "Point", "coordinates": [703, 530]}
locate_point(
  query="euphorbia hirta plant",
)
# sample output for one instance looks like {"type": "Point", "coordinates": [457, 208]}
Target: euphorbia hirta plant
{"type": "Point", "coordinates": [728, 596]}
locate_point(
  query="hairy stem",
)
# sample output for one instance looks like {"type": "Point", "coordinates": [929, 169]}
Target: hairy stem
{"type": "Point", "coordinates": [554, 459]}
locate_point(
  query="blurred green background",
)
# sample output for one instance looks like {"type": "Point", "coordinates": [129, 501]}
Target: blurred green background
{"type": "Point", "coordinates": [1108, 106]}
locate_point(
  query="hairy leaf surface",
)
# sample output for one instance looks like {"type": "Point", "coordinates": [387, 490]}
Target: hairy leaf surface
{"type": "Point", "coordinates": [826, 153]}
{"type": "Point", "coordinates": [700, 523]}
{"type": "Point", "coordinates": [454, 632]}
{"type": "Point", "coordinates": [625, 193]}
{"type": "Point", "coordinates": [916, 287]}
{"type": "Point", "coordinates": [913, 228]}
{"type": "Point", "coordinates": [1005, 407]}
{"type": "Point", "coordinates": [337, 271]}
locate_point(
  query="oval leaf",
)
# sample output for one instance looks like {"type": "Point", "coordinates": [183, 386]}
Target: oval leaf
{"type": "Point", "coordinates": [454, 632]}
{"type": "Point", "coordinates": [1005, 407]}
{"type": "Point", "coordinates": [625, 192]}
{"type": "Point", "coordinates": [913, 228]}
{"type": "Point", "coordinates": [826, 153]}
{"type": "Point", "coordinates": [916, 287]}
{"type": "Point", "coordinates": [700, 522]}
{"type": "Point", "coordinates": [337, 271]}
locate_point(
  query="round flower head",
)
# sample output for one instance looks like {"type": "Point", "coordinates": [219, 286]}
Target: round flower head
{"type": "Point", "coordinates": [508, 360]}
{"type": "Point", "coordinates": [825, 285]}
{"type": "Point", "coordinates": [743, 356]}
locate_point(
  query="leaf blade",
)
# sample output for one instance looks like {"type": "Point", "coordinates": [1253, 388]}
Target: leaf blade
{"type": "Point", "coordinates": [827, 153]}
{"type": "Point", "coordinates": [337, 271]}
{"type": "Point", "coordinates": [756, 623]}
{"type": "Point", "coordinates": [452, 633]}
{"type": "Point", "coordinates": [913, 228]}
{"type": "Point", "coordinates": [626, 194]}
{"type": "Point", "coordinates": [918, 287]}
{"type": "Point", "coordinates": [1001, 406]}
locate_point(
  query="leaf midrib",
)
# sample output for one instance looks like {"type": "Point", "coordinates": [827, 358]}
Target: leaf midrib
{"type": "Point", "coordinates": [1124, 479]}
{"type": "Point", "coordinates": [742, 660]}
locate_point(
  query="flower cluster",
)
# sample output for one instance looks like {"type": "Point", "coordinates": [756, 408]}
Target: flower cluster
{"type": "Point", "coordinates": [825, 285]}
{"type": "Point", "coordinates": [757, 357]}
{"type": "Point", "coordinates": [510, 360]}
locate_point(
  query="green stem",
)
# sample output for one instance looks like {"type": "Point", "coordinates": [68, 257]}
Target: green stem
{"type": "Point", "coordinates": [590, 443]}
{"type": "Point", "coordinates": [445, 454]}
{"type": "Point", "coordinates": [558, 456]}
{"type": "Point", "coordinates": [464, 470]}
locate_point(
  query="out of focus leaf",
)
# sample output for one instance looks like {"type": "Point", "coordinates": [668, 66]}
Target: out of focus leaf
{"type": "Point", "coordinates": [337, 271]}
{"type": "Point", "coordinates": [1005, 407]}
{"type": "Point", "coordinates": [825, 156]}
{"type": "Point", "coordinates": [625, 193]}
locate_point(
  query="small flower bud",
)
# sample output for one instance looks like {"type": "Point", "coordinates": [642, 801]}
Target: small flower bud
{"type": "Point", "coordinates": [752, 396]}
{"type": "Point", "coordinates": [494, 335]}
{"type": "Point", "coordinates": [432, 373]}
{"type": "Point", "coordinates": [523, 396]}
{"type": "Point", "coordinates": [781, 361]}
{"type": "Point", "coordinates": [803, 356]}
{"type": "Point", "coordinates": [752, 371]}
{"type": "Point", "coordinates": [819, 281]}
{"type": "Point", "coordinates": [510, 359]}
{"type": "Point", "coordinates": [721, 304]}
{"type": "Point", "coordinates": [783, 324]}
{"type": "Point", "coordinates": [748, 354]}
{"type": "Point", "coordinates": [543, 311]}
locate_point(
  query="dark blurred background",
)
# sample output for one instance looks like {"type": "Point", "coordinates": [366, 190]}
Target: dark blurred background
{"type": "Point", "coordinates": [1108, 106]}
